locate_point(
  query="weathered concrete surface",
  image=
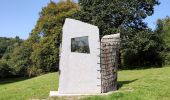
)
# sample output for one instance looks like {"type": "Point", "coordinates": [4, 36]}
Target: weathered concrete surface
{"type": "Point", "coordinates": [79, 73]}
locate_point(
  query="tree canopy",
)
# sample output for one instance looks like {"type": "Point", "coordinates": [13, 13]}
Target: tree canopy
{"type": "Point", "coordinates": [40, 52]}
{"type": "Point", "coordinates": [112, 16]}
{"type": "Point", "coordinates": [140, 46]}
{"type": "Point", "coordinates": [125, 17]}
{"type": "Point", "coordinates": [163, 27]}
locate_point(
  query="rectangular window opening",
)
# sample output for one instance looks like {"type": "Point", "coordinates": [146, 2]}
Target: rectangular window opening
{"type": "Point", "coordinates": [80, 44]}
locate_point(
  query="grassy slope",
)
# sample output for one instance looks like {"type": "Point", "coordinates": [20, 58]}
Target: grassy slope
{"type": "Point", "coordinates": [149, 84]}
{"type": "Point", "coordinates": [20, 89]}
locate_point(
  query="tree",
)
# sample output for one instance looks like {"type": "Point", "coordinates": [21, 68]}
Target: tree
{"type": "Point", "coordinates": [125, 17]}
{"type": "Point", "coordinates": [144, 50]}
{"type": "Point", "coordinates": [47, 34]}
{"type": "Point", "coordinates": [20, 58]}
{"type": "Point", "coordinates": [40, 52]}
{"type": "Point", "coordinates": [14, 42]}
{"type": "Point", "coordinates": [5, 70]}
{"type": "Point", "coordinates": [7, 44]}
{"type": "Point", "coordinates": [113, 15]}
{"type": "Point", "coordinates": [163, 28]}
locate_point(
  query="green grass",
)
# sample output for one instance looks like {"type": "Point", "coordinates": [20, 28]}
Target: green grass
{"type": "Point", "coordinates": [24, 89]}
{"type": "Point", "coordinates": [147, 84]}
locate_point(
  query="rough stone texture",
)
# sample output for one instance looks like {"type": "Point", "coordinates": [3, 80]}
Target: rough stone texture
{"type": "Point", "coordinates": [109, 62]}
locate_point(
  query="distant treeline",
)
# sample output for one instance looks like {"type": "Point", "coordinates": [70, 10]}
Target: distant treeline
{"type": "Point", "coordinates": [140, 46]}
{"type": "Point", "coordinates": [164, 24]}
{"type": "Point", "coordinates": [40, 52]}
{"type": "Point", "coordinates": [7, 46]}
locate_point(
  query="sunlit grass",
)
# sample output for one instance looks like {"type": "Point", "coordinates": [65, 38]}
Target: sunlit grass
{"type": "Point", "coordinates": [23, 89]}
{"type": "Point", "coordinates": [147, 84]}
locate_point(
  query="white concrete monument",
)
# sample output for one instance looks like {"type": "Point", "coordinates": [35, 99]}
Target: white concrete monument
{"type": "Point", "coordinates": [81, 71]}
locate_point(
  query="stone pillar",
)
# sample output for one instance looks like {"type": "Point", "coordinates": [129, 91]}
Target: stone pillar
{"type": "Point", "coordinates": [109, 62]}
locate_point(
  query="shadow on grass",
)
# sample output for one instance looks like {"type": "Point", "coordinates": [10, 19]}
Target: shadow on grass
{"type": "Point", "coordinates": [12, 80]}
{"type": "Point", "coordinates": [139, 67]}
{"type": "Point", "coordinates": [121, 83]}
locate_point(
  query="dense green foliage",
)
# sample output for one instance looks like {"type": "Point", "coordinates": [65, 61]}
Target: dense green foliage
{"type": "Point", "coordinates": [7, 46]}
{"type": "Point", "coordinates": [46, 36]}
{"type": "Point", "coordinates": [4, 42]}
{"type": "Point", "coordinates": [144, 50]}
{"type": "Point", "coordinates": [113, 16]}
{"type": "Point", "coordinates": [40, 52]}
{"type": "Point", "coordinates": [163, 26]}
{"type": "Point", "coordinates": [139, 45]}
{"type": "Point", "coordinates": [5, 70]}
{"type": "Point", "coordinates": [148, 84]}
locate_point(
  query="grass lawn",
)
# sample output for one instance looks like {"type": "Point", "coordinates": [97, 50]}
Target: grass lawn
{"type": "Point", "coordinates": [147, 84]}
{"type": "Point", "coordinates": [24, 89]}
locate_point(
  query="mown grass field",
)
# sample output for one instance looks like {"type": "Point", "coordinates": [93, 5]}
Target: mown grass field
{"type": "Point", "coordinates": [25, 89]}
{"type": "Point", "coordinates": [147, 84]}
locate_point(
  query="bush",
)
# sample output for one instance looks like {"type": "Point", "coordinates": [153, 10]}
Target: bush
{"type": "Point", "coordinates": [5, 70]}
{"type": "Point", "coordinates": [144, 49]}
{"type": "Point", "coordinates": [33, 71]}
{"type": "Point", "coordinates": [167, 58]}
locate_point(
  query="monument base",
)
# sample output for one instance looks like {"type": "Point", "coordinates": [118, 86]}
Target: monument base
{"type": "Point", "coordinates": [57, 94]}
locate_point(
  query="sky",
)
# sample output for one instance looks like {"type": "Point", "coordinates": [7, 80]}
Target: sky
{"type": "Point", "coordinates": [160, 12]}
{"type": "Point", "coordinates": [18, 17]}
